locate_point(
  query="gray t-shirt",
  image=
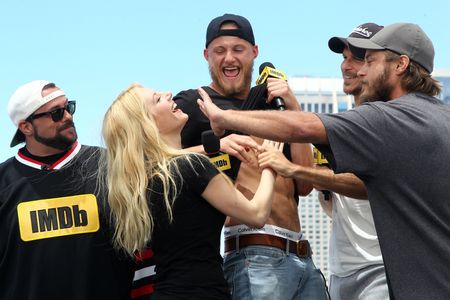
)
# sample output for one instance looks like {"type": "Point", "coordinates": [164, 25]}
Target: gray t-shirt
{"type": "Point", "coordinates": [401, 150]}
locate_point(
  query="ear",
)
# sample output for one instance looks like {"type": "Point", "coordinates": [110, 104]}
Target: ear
{"type": "Point", "coordinates": [205, 53]}
{"type": "Point", "coordinates": [255, 51]}
{"type": "Point", "coordinates": [26, 128]}
{"type": "Point", "coordinates": [402, 64]}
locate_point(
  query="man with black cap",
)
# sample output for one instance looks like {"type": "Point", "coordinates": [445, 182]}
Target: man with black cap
{"type": "Point", "coordinates": [397, 143]}
{"type": "Point", "coordinates": [356, 264]}
{"type": "Point", "coordinates": [355, 260]}
{"type": "Point", "coordinates": [55, 241]}
{"type": "Point", "coordinates": [273, 262]}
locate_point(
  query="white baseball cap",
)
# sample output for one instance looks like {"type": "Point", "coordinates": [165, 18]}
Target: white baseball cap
{"type": "Point", "coordinates": [26, 100]}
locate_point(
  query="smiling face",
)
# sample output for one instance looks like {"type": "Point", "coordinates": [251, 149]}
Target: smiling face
{"type": "Point", "coordinates": [350, 67]}
{"type": "Point", "coordinates": [168, 118]}
{"type": "Point", "coordinates": [230, 60]}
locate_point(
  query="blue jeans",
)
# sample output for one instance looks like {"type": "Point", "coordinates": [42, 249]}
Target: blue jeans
{"type": "Point", "coordinates": [261, 272]}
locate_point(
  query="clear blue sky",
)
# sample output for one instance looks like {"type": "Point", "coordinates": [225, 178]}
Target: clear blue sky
{"type": "Point", "coordinates": [94, 49]}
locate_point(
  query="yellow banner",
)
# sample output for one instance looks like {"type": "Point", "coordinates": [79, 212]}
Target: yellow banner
{"type": "Point", "coordinates": [222, 162]}
{"type": "Point", "coordinates": [319, 158]}
{"type": "Point", "coordinates": [55, 217]}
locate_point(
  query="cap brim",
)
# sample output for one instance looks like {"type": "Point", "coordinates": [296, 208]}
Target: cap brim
{"type": "Point", "coordinates": [363, 44]}
{"type": "Point", "coordinates": [358, 53]}
{"type": "Point", "coordinates": [17, 139]}
{"type": "Point", "coordinates": [337, 44]}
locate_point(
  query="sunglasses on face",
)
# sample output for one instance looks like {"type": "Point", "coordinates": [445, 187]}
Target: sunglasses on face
{"type": "Point", "coordinates": [57, 114]}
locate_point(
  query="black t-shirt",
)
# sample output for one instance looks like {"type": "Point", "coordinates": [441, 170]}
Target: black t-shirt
{"type": "Point", "coordinates": [55, 241]}
{"type": "Point", "coordinates": [187, 251]}
{"type": "Point", "coordinates": [198, 122]}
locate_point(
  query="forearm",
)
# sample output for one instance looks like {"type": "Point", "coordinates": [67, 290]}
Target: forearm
{"type": "Point", "coordinates": [262, 200]}
{"type": "Point", "coordinates": [291, 126]}
{"type": "Point", "coordinates": [327, 205]}
{"type": "Point", "coordinates": [346, 184]}
{"type": "Point", "coordinates": [301, 154]}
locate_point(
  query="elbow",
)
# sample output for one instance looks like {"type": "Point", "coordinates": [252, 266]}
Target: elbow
{"type": "Point", "coordinates": [256, 224]}
{"type": "Point", "coordinates": [304, 189]}
{"type": "Point", "coordinates": [258, 221]}
{"type": "Point", "coordinates": [296, 133]}
{"type": "Point", "coordinates": [361, 195]}
{"type": "Point", "coordinates": [309, 131]}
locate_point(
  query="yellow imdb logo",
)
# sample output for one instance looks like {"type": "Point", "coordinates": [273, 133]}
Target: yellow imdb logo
{"type": "Point", "coordinates": [222, 162]}
{"type": "Point", "coordinates": [56, 217]}
{"type": "Point", "coordinates": [319, 158]}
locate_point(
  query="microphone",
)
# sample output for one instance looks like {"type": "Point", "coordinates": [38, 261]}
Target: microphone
{"type": "Point", "coordinates": [320, 160]}
{"type": "Point", "coordinates": [211, 144]}
{"type": "Point", "coordinates": [267, 70]}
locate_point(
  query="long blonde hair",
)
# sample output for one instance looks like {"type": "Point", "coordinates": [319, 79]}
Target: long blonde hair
{"type": "Point", "coordinates": [135, 155]}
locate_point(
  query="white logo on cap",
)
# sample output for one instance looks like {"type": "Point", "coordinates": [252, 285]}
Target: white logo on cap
{"type": "Point", "coordinates": [362, 31]}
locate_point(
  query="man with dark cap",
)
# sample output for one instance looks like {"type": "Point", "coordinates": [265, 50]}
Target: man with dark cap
{"type": "Point", "coordinates": [356, 264]}
{"type": "Point", "coordinates": [397, 143]}
{"type": "Point", "coordinates": [55, 237]}
{"type": "Point", "coordinates": [355, 260]}
{"type": "Point", "coordinates": [273, 262]}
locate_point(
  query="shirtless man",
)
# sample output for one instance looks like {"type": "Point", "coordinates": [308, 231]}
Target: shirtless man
{"type": "Point", "coordinates": [273, 262]}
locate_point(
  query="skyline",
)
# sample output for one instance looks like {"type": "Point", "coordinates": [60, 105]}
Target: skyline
{"type": "Point", "coordinates": [94, 50]}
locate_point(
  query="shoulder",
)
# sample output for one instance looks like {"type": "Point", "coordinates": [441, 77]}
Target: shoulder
{"type": "Point", "coordinates": [6, 167]}
{"type": "Point", "coordinates": [192, 95]}
{"type": "Point", "coordinates": [91, 149]}
{"type": "Point", "coordinates": [187, 101]}
{"type": "Point", "coordinates": [193, 166]}
{"type": "Point", "coordinates": [90, 152]}
{"type": "Point", "coordinates": [191, 161]}
{"type": "Point", "coordinates": [87, 159]}
{"type": "Point", "coordinates": [194, 170]}
{"type": "Point", "coordinates": [186, 95]}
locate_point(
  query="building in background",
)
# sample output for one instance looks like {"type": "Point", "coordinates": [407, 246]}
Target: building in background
{"type": "Point", "coordinates": [444, 77]}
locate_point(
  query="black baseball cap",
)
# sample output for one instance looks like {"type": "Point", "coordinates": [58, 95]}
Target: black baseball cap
{"type": "Point", "coordinates": [402, 38]}
{"type": "Point", "coordinates": [363, 31]}
{"type": "Point", "coordinates": [244, 30]}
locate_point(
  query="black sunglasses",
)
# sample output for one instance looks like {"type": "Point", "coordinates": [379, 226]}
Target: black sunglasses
{"type": "Point", "coordinates": [57, 114]}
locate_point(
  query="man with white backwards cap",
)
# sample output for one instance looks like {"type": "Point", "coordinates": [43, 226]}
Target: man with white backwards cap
{"type": "Point", "coordinates": [53, 227]}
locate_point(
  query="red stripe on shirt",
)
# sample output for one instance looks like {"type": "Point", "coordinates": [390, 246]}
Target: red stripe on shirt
{"type": "Point", "coordinates": [145, 290]}
{"type": "Point", "coordinates": [143, 255]}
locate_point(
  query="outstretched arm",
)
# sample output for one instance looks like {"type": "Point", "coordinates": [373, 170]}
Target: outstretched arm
{"type": "Point", "coordinates": [291, 126]}
{"type": "Point", "coordinates": [301, 154]}
{"type": "Point", "coordinates": [346, 184]}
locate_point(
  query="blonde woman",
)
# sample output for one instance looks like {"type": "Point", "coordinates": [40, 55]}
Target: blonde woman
{"type": "Point", "coordinates": [175, 200]}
